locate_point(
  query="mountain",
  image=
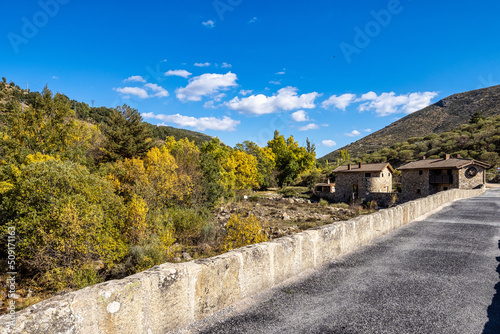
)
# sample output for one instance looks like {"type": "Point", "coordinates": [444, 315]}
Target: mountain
{"type": "Point", "coordinates": [440, 117]}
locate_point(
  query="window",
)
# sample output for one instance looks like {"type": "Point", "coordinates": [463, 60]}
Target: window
{"type": "Point", "coordinates": [368, 174]}
{"type": "Point", "coordinates": [445, 188]}
{"type": "Point", "coordinates": [418, 192]}
{"type": "Point", "coordinates": [382, 174]}
{"type": "Point", "coordinates": [420, 172]}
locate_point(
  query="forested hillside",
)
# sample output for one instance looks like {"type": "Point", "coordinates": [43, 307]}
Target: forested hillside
{"type": "Point", "coordinates": [438, 118]}
{"type": "Point", "coordinates": [479, 139]}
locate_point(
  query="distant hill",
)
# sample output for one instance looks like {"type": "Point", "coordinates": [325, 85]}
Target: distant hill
{"type": "Point", "coordinates": [92, 114]}
{"type": "Point", "coordinates": [440, 117]}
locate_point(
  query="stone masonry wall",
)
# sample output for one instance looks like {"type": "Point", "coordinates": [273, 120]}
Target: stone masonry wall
{"type": "Point", "coordinates": [171, 296]}
{"type": "Point", "coordinates": [411, 181]}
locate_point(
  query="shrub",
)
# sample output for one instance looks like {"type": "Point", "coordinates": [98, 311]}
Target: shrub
{"type": "Point", "coordinates": [65, 218]}
{"type": "Point", "coordinates": [323, 202]}
{"type": "Point", "coordinates": [243, 231]}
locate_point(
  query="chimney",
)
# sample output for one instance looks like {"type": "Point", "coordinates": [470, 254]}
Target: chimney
{"type": "Point", "coordinates": [360, 164]}
{"type": "Point", "coordinates": [459, 156]}
{"type": "Point", "coordinates": [423, 158]}
{"type": "Point", "coordinates": [349, 167]}
{"type": "Point", "coordinates": [447, 157]}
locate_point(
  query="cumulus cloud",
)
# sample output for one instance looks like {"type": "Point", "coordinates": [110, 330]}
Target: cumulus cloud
{"type": "Point", "coordinates": [202, 64]}
{"type": "Point", "coordinates": [340, 102]}
{"type": "Point", "coordinates": [136, 91]}
{"type": "Point", "coordinates": [201, 124]}
{"type": "Point", "coordinates": [226, 65]}
{"type": "Point", "coordinates": [329, 143]}
{"type": "Point", "coordinates": [278, 82]}
{"type": "Point", "coordinates": [158, 90]}
{"type": "Point", "coordinates": [390, 103]}
{"type": "Point", "coordinates": [206, 84]}
{"type": "Point", "coordinates": [135, 78]}
{"type": "Point", "coordinates": [245, 92]}
{"type": "Point", "coordinates": [209, 23]}
{"type": "Point", "coordinates": [300, 116]}
{"type": "Point", "coordinates": [178, 73]}
{"type": "Point", "coordinates": [286, 99]}
{"type": "Point", "coordinates": [353, 133]}
{"type": "Point", "coordinates": [367, 130]}
{"type": "Point", "coordinates": [311, 126]}
{"type": "Point", "coordinates": [281, 72]}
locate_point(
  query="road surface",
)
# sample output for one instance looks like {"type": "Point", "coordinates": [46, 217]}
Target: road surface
{"type": "Point", "coordinates": [438, 275]}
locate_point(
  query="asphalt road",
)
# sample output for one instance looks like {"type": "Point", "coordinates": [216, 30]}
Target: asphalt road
{"type": "Point", "coordinates": [439, 275]}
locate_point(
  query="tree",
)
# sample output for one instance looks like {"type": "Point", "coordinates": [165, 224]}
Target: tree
{"type": "Point", "coordinates": [265, 162]}
{"type": "Point", "coordinates": [127, 135]}
{"type": "Point", "coordinates": [476, 117]}
{"type": "Point", "coordinates": [291, 159]}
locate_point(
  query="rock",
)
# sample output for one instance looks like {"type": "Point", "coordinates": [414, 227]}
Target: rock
{"type": "Point", "coordinates": [285, 216]}
{"type": "Point", "coordinates": [291, 201]}
{"type": "Point", "coordinates": [186, 256]}
{"type": "Point", "coordinates": [177, 259]}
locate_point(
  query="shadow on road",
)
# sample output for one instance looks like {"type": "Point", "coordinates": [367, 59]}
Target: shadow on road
{"type": "Point", "coordinates": [493, 324]}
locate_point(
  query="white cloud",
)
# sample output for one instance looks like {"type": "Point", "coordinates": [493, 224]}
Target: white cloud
{"type": "Point", "coordinates": [201, 124]}
{"type": "Point", "coordinates": [135, 78]}
{"type": "Point", "coordinates": [127, 91]}
{"type": "Point", "coordinates": [329, 143]}
{"type": "Point", "coordinates": [178, 73]}
{"type": "Point", "coordinates": [55, 78]}
{"type": "Point", "coordinates": [340, 102]}
{"type": "Point", "coordinates": [206, 84]}
{"type": "Point", "coordinates": [209, 23]}
{"type": "Point", "coordinates": [390, 103]}
{"type": "Point", "coordinates": [253, 20]}
{"type": "Point", "coordinates": [275, 82]}
{"type": "Point", "coordinates": [160, 91]}
{"type": "Point", "coordinates": [367, 130]}
{"type": "Point", "coordinates": [286, 99]}
{"type": "Point", "coordinates": [310, 126]}
{"type": "Point", "coordinates": [353, 133]}
{"type": "Point", "coordinates": [245, 92]}
{"type": "Point", "coordinates": [226, 65]}
{"type": "Point", "coordinates": [202, 64]}
{"type": "Point", "coordinates": [300, 116]}
{"type": "Point", "coordinates": [163, 61]}
{"type": "Point", "coordinates": [281, 72]}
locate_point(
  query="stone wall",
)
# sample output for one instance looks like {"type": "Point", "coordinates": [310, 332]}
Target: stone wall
{"type": "Point", "coordinates": [172, 296]}
{"type": "Point", "coordinates": [412, 181]}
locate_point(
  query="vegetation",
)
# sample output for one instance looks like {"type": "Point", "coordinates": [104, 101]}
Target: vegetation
{"type": "Point", "coordinates": [96, 193]}
{"type": "Point", "coordinates": [443, 116]}
{"type": "Point", "coordinates": [477, 139]}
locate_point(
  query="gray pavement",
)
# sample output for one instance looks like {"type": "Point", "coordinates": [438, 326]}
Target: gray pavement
{"type": "Point", "coordinates": [439, 275]}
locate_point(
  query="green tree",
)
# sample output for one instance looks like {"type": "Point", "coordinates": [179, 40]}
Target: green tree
{"type": "Point", "coordinates": [127, 135]}
{"type": "Point", "coordinates": [291, 159]}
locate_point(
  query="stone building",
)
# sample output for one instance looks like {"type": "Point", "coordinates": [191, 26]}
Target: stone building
{"type": "Point", "coordinates": [324, 190]}
{"type": "Point", "coordinates": [429, 176]}
{"type": "Point", "coordinates": [359, 182]}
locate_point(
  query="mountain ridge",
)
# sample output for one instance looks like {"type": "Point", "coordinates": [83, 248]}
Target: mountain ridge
{"type": "Point", "coordinates": [442, 116]}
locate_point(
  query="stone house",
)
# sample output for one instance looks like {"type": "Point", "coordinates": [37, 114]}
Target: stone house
{"type": "Point", "coordinates": [324, 190]}
{"type": "Point", "coordinates": [362, 181]}
{"type": "Point", "coordinates": [429, 176]}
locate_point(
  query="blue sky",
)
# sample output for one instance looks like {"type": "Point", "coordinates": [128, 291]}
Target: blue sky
{"type": "Point", "coordinates": [331, 71]}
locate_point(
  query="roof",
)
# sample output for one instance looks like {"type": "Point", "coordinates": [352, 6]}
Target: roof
{"type": "Point", "coordinates": [324, 184]}
{"type": "Point", "coordinates": [365, 168]}
{"type": "Point", "coordinates": [443, 163]}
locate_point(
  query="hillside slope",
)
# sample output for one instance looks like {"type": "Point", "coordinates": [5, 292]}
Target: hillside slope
{"type": "Point", "coordinates": [440, 117]}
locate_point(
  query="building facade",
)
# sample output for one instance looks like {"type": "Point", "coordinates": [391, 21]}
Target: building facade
{"type": "Point", "coordinates": [357, 182]}
{"type": "Point", "coordinates": [429, 176]}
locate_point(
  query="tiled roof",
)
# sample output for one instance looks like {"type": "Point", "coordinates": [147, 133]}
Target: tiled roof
{"type": "Point", "coordinates": [365, 168]}
{"type": "Point", "coordinates": [443, 163]}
